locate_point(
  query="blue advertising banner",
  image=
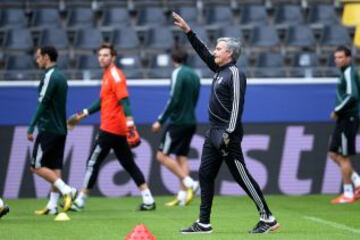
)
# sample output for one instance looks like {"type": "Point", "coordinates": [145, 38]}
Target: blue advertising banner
{"type": "Point", "coordinates": [263, 103]}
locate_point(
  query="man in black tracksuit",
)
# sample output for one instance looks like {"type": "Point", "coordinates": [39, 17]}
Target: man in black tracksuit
{"type": "Point", "coordinates": [223, 139]}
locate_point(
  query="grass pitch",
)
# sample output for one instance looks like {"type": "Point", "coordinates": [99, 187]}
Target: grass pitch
{"type": "Point", "coordinates": [306, 217]}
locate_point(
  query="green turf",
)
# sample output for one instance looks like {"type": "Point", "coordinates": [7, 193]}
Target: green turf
{"type": "Point", "coordinates": [308, 217]}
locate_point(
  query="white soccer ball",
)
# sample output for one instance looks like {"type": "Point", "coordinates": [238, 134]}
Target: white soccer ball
{"type": "Point", "coordinates": [1, 203]}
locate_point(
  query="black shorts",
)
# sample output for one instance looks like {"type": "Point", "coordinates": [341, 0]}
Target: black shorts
{"type": "Point", "coordinates": [343, 138]}
{"type": "Point", "coordinates": [177, 139]}
{"type": "Point", "coordinates": [48, 151]}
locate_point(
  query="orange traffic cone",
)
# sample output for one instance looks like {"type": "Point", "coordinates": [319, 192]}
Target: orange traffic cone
{"type": "Point", "coordinates": [140, 232]}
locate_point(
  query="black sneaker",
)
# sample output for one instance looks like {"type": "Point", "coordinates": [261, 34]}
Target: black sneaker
{"type": "Point", "coordinates": [147, 207]}
{"type": "Point", "coordinates": [265, 227]}
{"type": "Point", "coordinates": [196, 228]}
{"type": "Point", "coordinates": [4, 210]}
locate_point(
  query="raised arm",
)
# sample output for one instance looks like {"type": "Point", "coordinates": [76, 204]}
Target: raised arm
{"type": "Point", "coordinates": [196, 43]}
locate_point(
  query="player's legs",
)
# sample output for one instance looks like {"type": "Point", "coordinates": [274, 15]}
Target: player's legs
{"type": "Point", "coordinates": [176, 140]}
{"type": "Point", "coordinates": [99, 152]}
{"type": "Point", "coordinates": [210, 165]}
{"type": "Point", "coordinates": [342, 147]}
{"type": "Point", "coordinates": [47, 161]}
{"type": "Point", "coordinates": [126, 159]}
{"type": "Point", "coordinates": [238, 169]}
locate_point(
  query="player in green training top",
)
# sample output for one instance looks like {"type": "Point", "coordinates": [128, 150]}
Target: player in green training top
{"type": "Point", "coordinates": [346, 115]}
{"type": "Point", "coordinates": [180, 113]}
{"type": "Point", "coordinates": [50, 120]}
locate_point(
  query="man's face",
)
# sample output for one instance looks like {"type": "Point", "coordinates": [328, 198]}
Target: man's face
{"type": "Point", "coordinates": [222, 54]}
{"type": "Point", "coordinates": [105, 58]}
{"type": "Point", "coordinates": [40, 59]}
{"type": "Point", "coordinates": [341, 60]}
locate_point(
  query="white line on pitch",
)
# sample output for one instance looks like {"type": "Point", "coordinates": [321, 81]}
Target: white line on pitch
{"type": "Point", "coordinates": [333, 224]}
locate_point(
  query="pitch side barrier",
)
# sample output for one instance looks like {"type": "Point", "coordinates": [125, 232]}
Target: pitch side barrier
{"type": "Point", "coordinates": [287, 130]}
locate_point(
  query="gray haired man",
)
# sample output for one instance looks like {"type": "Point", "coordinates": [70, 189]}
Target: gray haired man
{"type": "Point", "coordinates": [223, 139]}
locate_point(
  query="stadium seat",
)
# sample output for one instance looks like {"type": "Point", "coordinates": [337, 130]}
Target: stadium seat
{"type": "Point", "coordinates": [331, 70]}
{"type": "Point", "coordinates": [232, 31]}
{"type": "Point", "coordinates": [63, 61]}
{"type": "Point", "coordinates": [264, 36]}
{"type": "Point", "coordinates": [115, 17]}
{"type": "Point", "coordinates": [125, 39]}
{"type": "Point", "coordinates": [288, 15]}
{"type": "Point", "coordinates": [334, 35]}
{"type": "Point", "coordinates": [219, 15]}
{"type": "Point", "coordinates": [299, 36]}
{"type": "Point", "coordinates": [200, 32]}
{"type": "Point", "coordinates": [305, 65]}
{"type": "Point", "coordinates": [253, 15]}
{"type": "Point", "coordinates": [12, 18]}
{"type": "Point", "coordinates": [88, 67]}
{"type": "Point", "coordinates": [56, 37]}
{"type": "Point", "coordinates": [160, 66]}
{"type": "Point", "coordinates": [46, 17]}
{"type": "Point", "coordinates": [269, 65]}
{"type": "Point", "coordinates": [152, 16]}
{"type": "Point", "coordinates": [19, 39]}
{"type": "Point", "coordinates": [80, 18]}
{"type": "Point", "coordinates": [199, 66]}
{"type": "Point", "coordinates": [20, 67]}
{"type": "Point", "coordinates": [131, 66]}
{"type": "Point", "coordinates": [160, 38]}
{"type": "Point", "coordinates": [88, 39]}
{"type": "Point", "coordinates": [190, 13]}
{"type": "Point", "coordinates": [323, 14]}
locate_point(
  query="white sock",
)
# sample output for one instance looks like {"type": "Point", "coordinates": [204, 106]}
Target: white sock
{"type": "Point", "coordinates": [355, 178]}
{"type": "Point", "coordinates": [181, 196]}
{"type": "Point", "coordinates": [203, 224]}
{"type": "Point", "coordinates": [1, 203]}
{"type": "Point", "coordinates": [188, 182]}
{"type": "Point", "coordinates": [147, 197]}
{"type": "Point", "coordinates": [54, 197]}
{"type": "Point", "coordinates": [348, 190]}
{"type": "Point", "coordinates": [269, 219]}
{"type": "Point", "coordinates": [80, 200]}
{"type": "Point", "coordinates": [63, 187]}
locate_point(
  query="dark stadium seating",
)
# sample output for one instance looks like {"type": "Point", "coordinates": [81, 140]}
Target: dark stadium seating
{"type": "Point", "coordinates": [288, 14]}
{"type": "Point", "coordinates": [80, 18]}
{"type": "Point", "coordinates": [12, 18]}
{"type": "Point", "coordinates": [190, 13]}
{"type": "Point", "coordinates": [300, 36]}
{"type": "Point", "coordinates": [219, 15]}
{"type": "Point", "coordinates": [88, 39]}
{"type": "Point", "coordinates": [200, 67]}
{"type": "Point", "coordinates": [152, 16]}
{"type": "Point", "coordinates": [160, 66]}
{"type": "Point", "coordinates": [115, 17]}
{"type": "Point", "coordinates": [324, 14]}
{"type": "Point", "coordinates": [46, 17]}
{"type": "Point", "coordinates": [131, 66]}
{"type": "Point", "coordinates": [143, 28]}
{"type": "Point", "coordinates": [160, 38]}
{"type": "Point", "coordinates": [21, 67]}
{"type": "Point", "coordinates": [125, 39]}
{"type": "Point", "coordinates": [253, 15]}
{"type": "Point", "coordinates": [269, 64]}
{"type": "Point", "coordinates": [264, 36]}
{"type": "Point", "coordinates": [18, 39]}
{"type": "Point", "coordinates": [334, 35]}
{"type": "Point", "coordinates": [54, 36]}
